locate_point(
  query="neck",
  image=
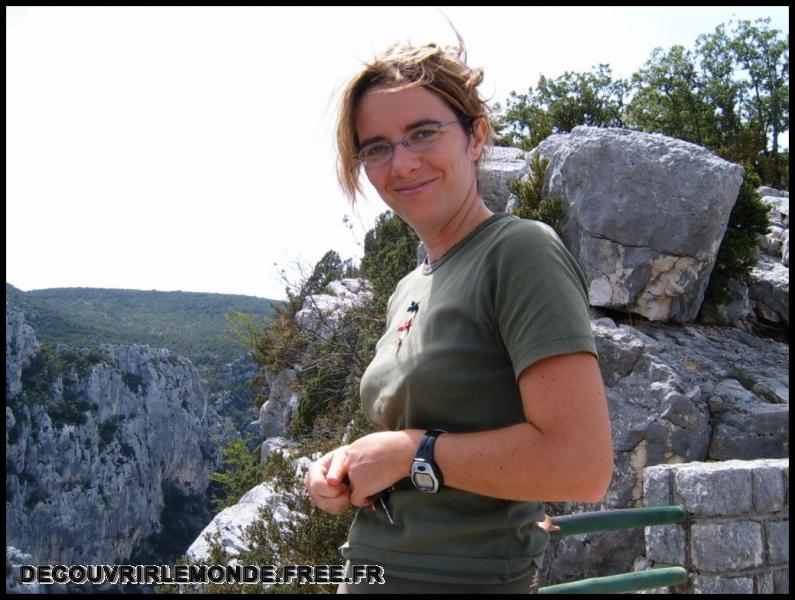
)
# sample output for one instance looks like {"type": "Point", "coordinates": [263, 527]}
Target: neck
{"type": "Point", "coordinates": [462, 223]}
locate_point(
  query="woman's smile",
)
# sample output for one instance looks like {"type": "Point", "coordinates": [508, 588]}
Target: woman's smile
{"type": "Point", "coordinates": [414, 189]}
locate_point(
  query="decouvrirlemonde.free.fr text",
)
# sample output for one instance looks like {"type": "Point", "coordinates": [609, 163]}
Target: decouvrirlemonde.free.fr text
{"type": "Point", "coordinates": [196, 574]}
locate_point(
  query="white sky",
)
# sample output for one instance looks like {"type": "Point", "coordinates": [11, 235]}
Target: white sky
{"type": "Point", "coordinates": [191, 148]}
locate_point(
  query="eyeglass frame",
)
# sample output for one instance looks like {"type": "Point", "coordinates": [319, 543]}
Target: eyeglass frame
{"type": "Point", "coordinates": [403, 141]}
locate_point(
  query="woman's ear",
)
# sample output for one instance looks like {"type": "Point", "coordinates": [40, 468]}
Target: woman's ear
{"type": "Point", "coordinates": [479, 132]}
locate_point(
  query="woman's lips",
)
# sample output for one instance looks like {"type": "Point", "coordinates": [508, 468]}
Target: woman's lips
{"type": "Point", "coordinates": [411, 190]}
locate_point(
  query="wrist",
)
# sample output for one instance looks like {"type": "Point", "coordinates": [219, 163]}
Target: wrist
{"type": "Point", "coordinates": [411, 442]}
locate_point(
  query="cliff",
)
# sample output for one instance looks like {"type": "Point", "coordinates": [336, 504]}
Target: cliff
{"type": "Point", "coordinates": [108, 451]}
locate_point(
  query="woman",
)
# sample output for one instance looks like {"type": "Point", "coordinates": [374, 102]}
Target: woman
{"type": "Point", "coordinates": [486, 383]}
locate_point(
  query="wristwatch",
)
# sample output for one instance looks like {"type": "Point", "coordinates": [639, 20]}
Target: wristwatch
{"type": "Point", "coordinates": [425, 473]}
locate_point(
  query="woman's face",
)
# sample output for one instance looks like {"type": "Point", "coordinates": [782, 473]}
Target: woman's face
{"type": "Point", "coordinates": [425, 188]}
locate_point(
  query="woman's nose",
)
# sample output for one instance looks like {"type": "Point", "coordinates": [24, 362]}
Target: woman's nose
{"type": "Point", "coordinates": [404, 161]}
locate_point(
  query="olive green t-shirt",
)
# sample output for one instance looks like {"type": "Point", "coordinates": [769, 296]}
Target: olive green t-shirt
{"type": "Point", "coordinates": [506, 296]}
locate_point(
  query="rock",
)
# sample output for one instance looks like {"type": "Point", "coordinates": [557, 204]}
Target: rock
{"type": "Point", "coordinates": [785, 248]}
{"type": "Point", "coordinates": [645, 216]}
{"type": "Point", "coordinates": [499, 169]}
{"type": "Point", "coordinates": [779, 209]}
{"type": "Point", "coordinates": [21, 347]}
{"type": "Point", "coordinates": [734, 311]}
{"type": "Point", "coordinates": [676, 395]}
{"type": "Point", "coordinates": [127, 442]}
{"type": "Point", "coordinates": [769, 290]}
{"type": "Point", "coordinates": [278, 410]}
{"type": "Point", "coordinates": [14, 559]}
{"type": "Point", "coordinates": [320, 311]}
{"type": "Point", "coordinates": [745, 427]}
{"type": "Point", "coordinates": [771, 242]}
{"type": "Point", "coordinates": [229, 526]}
{"type": "Point", "coordinates": [769, 191]}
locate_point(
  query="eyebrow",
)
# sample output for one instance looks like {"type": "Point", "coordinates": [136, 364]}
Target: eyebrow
{"type": "Point", "coordinates": [376, 138]}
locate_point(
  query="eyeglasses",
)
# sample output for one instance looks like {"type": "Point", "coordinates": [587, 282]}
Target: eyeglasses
{"type": "Point", "coordinates": [418, 139]}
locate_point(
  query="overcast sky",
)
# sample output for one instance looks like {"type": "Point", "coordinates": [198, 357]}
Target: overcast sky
{"type": "Point", "coordinates": [191, 148]}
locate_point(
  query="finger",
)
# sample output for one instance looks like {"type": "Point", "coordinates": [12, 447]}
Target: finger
{"type": "Point", "coordinates": [315, 481]}
{"type": "Point", "coordinates": [361, 501]}
{"type": "Point", "coordinates": [337, 471]}
{"type": "Point", "coordinates": [336, 506]}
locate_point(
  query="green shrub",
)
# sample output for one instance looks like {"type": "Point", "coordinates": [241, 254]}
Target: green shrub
{"type": "Point", "coordinates": [550, 210]}
{"type": "Point", "coordinates": [737, 254]}
{"type": "Point", "coordinates": [108, 430]}
{"type": "Point", "coordinates": [313, 539]}
{"type": "Point", "coordinates": [390, 253]}
{"type": "Point", "coordinates": [242, 471]}
{"type": "Point", "coordinates": [132, 381]}
{"type": "Point", "coordinates": [40, 373]}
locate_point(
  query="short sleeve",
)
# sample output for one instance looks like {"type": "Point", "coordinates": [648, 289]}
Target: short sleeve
{"type": "Point", "coordinates": [540, 296]}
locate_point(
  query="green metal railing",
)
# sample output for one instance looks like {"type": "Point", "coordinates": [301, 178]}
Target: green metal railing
{"type": "Point", "coordinates": [612, 520]}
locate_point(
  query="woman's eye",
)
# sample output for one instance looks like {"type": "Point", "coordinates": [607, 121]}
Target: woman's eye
{"type": "Point", "coordinates": [376, 150]}
{"type": "Point", "coordinates": [422, 135]}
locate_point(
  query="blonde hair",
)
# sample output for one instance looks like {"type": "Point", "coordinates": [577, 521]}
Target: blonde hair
{"type": "Point", "coordinates": [440, 70]}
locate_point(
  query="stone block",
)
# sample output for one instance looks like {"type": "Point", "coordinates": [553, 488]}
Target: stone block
{"type": "Point", "coordinates": [726, 547]}
{"type": "Point", "coordinates": [666, 544]}
{"type": "Point", "coordinates": [778, 541]}
{"type": "Point", "coordinates": [768, 482]}
{"type": "Point", "coordinates": [704, 584]}
{"type": "Point", "coordinates": [657, 490]}
{"type": "Point", "coordinates": [697, 487]}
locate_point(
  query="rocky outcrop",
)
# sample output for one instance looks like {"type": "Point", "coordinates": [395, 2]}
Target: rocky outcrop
{"type": "Point", "coordinates": [21, 347]}
{"type": "Point", "coordinates": [228, 527]}
{"type": "Point", "coordinates": [108, 451]}
{"type": "Point", "coordinates": [676, 395]}
{"type": "Point", "coordinates": [769, 288]}
{"type": "Point", "coordinates": [765, 298]}
{"type": "Point", "coordinates": [236, 400]}
{"type": "Point", "coordinates": [501, 167]}
{"type": "Point", "coordinates": [321, 311]}
{"type": "Point", "coordinates": [645, 216]}
{"type": "Point", "coordinates": [278, 410]}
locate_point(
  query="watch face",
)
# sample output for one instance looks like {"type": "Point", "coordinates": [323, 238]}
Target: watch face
{"type": "Point", "coordinates": [423, 480]}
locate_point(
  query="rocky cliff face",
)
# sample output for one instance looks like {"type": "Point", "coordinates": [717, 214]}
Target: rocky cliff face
{"type": "Point", "coordinates": [108, 452]}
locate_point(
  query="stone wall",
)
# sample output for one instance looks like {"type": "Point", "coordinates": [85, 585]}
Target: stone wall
{"type": "Point", "coordinates": [735, 537]}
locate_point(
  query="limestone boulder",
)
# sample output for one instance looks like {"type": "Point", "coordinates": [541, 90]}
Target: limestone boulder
{"type": "Point", "coordinates": [645, 216]}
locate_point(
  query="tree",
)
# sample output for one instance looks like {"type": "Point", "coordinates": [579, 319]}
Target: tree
{"type": "Point", "coordinates": [329, 268]}
{"type": "Point", "coordinates": [559, 105]}
{"type": "Point", "coordinates": [731, 94]}
{"type": "Point", "coordinates": [669, 97]}
{"type": "Point", "coordinates": [765, 58]}
{"type": "Point", "coordinates": [390, 253]}
{"type": "Point", "coordinates": [729, 137]}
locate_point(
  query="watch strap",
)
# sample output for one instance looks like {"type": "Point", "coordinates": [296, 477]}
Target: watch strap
{"type": "Point", "coordinates": [425, 450]}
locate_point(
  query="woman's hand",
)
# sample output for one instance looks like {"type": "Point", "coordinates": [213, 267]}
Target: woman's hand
{"type": "Point", "coordinates": [374, 462]}
{"type": "Point", "coordinates": [547, 524]}
{"type": "Point", "coordinates": [331, 496]}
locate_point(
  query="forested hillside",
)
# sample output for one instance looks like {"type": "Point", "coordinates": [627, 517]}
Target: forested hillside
{"type": "Point", "coordinates": [194, 325]}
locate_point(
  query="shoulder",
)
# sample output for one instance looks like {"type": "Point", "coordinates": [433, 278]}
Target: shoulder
{"type": "Point", "coordinates": [531, 240]}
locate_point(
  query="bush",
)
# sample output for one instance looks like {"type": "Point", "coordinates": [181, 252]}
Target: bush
{"type": "Point", "coordinates": [550, 210]}
{"type": "Point", "coordinates": [242, 471]}
{"type": "Point", "coordinates": [737, 254]}
{"type": "Point", "coordinates": [390, 252]}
